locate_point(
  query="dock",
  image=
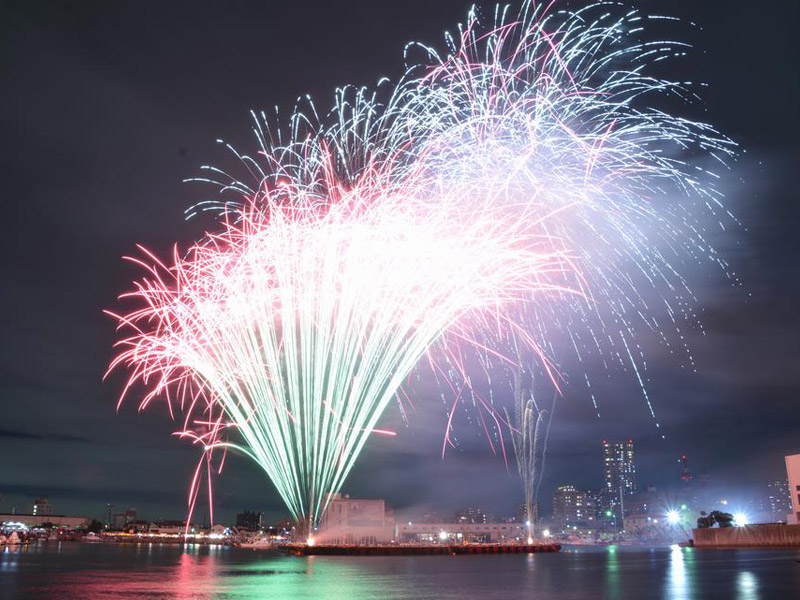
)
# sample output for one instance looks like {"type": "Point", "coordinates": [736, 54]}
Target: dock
{"type": "Point", "coordinates": [417, 550]}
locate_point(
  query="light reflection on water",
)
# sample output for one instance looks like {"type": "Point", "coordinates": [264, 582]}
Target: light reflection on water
{"type": "Point", "coordinates": [746, 586]}
{"type": "Point", "coordinates": [679, 585]}
{"type": "Point", "coordinates": [73, 571]}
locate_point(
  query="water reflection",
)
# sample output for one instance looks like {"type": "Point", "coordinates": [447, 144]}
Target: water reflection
{"type": "Point", "coordinates": [613, 589]}
{"type": "Point", "coordinates": [163, 572]}
{"type": "Point", "coordinates": [196, 575]}
{"type": "Point", "coordinates": [9, 558]}
{"type": "Point", "coordinates": [679, 582]}
{"type": "Point", "coordinates": [746, 586]}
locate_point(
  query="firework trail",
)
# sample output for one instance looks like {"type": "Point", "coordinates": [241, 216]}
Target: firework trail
{"type": "Point", "coordinates": [529, 432]}
{"type": "Point", "coordinates": [519, 186]}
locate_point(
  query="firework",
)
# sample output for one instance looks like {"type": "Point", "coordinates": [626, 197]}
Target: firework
{"type": "Point", "coordinates": [297, 325]}
{"type": "Point", "coordinates": [509, 190]}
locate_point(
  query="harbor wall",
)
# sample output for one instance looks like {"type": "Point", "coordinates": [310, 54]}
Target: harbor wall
{"type": "Point", "coordinates": [773, 535]}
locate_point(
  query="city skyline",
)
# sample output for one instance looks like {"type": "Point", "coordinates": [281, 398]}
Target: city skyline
{"type": "Point", "coordinates": [592, 506]}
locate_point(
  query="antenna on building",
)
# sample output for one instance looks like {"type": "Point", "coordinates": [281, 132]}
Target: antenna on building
{"type": "Point", "coordinates": [686, 473]}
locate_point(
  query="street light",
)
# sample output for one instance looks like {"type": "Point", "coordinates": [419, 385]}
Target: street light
{"type": "Point", "coordinates": [673, 517]}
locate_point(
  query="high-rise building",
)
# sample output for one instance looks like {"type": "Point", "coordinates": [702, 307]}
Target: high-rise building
{"type": "Point", "coordinates": [522, 515]}
{"type": "Point", "coordinates": [573, 508]}
{"type": "Point", "coordinates": [779, 500]}
{"type": "Point", "coordinates": [471, 514]}
{"type": "Point", "coordinates": [42, 506]}
{"type": "Point", "coordinates": [620, 478]}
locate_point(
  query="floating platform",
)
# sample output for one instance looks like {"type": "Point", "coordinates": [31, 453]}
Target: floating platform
{"type": "Point", "coordinates": [417, 550]}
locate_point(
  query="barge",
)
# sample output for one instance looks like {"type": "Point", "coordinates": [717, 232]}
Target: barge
{"type": "Point", "coordinates": [417, 550]}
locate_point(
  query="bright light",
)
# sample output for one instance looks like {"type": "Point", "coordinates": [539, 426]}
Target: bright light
{"type": "Point", "coordinates": [527, 523]}
{"type": "Point", "coordinates": [673, 517]}
{"type": "Point", "coordinates": [740, 519]}
{"type": "Point", "coordinates": [530, 540]}
{"type": "Point", "coordinates": [546, 533]}
{"type": "Point", "coordinates": [443, 535]}
{"type": "Point", "coordinates": [310, 541]}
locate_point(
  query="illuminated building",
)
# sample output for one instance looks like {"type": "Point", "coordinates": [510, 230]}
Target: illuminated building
{"type": "Point", "coordinates": [30, 520]}
{"type": "Point", "coordinates": [573, 508]}
{"type": "Point", "coordinates": [454, 533]}
{"type": "Point", "coordinates": [620, 479]}
{"type": "Point", "coordinates": [356, 521]}
{"type": "Point", "coordinates": [779, 500]}
{"type": "Point", "coordinates": [473, 515]}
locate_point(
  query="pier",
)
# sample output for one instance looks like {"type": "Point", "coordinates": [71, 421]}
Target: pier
{"type": "Point", "coordinates": [417, 550]}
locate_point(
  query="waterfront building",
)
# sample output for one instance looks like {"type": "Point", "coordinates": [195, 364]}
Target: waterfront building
{"type": "Point", "coordinates": [793, 476]}
{"type": "Point", "coordinates": [620, 479]}
{"type": "Point", "coordinates": [356, 521]}
{"type": "Point", "coordinates": [250, 520]}
{"type": "Point", "coordinates": [31, 520]}
{"type": "Point", "coordinates": [573, 508]}
{"type": "Point", "coordinates": [120, 520]}
{"type": "Point", "coordinates": [137, 526]}
{"type": "Point", "coordinates": [169, 527]}
{"type": "Point", "coordinates": [454, 533]}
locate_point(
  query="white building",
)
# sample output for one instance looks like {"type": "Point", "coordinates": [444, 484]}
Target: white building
{"type": "Point", "coordinates": [31, 520]}
{"type": "Point", "coordinates": [793, 475]}
{"type": "Point", "coordinates": [355, 521]}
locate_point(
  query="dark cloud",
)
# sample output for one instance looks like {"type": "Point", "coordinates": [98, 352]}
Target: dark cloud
{"type": "Point", "coordinates": [10, 434]}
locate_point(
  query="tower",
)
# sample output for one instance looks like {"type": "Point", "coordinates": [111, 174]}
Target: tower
{"type": "Point", "coordinates": [620, 478]}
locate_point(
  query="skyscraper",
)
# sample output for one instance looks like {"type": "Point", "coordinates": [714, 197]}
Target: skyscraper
{"type": "Point", "coordinates": [779, 500]}
{"type": "Point", "coordinates": [620, 478]}
{"type": "Point", "coordinates": [573, 508]}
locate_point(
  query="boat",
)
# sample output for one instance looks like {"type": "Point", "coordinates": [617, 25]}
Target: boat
{"type": "Point", "coordinates": [13, 539]}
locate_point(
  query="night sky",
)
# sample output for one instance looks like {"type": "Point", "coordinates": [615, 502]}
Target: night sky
{"type": "Point", "coordinates": [108, 106]}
